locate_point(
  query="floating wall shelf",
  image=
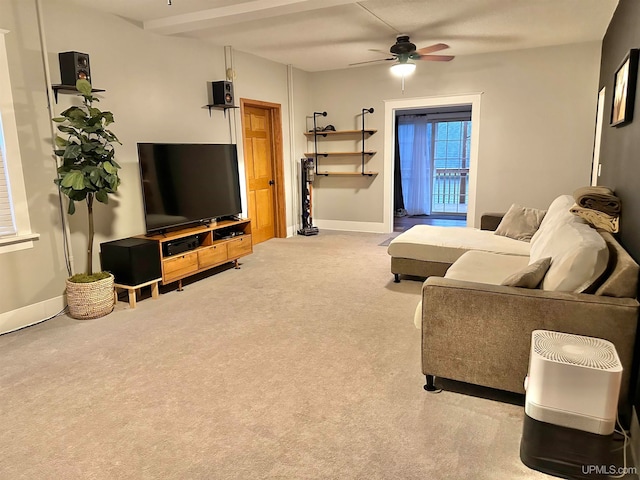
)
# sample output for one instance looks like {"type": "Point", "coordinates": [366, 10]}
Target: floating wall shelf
{"type": "Point", "coordinates": [69, 90]}
{"type": "Point", "coordinates": [219, 107]}
{"type": "Point", "coordinates": [348, 174]}
{"type": "Point", "coordinates": [337, 154]}
{"type": "Point", "coordinates": [339, 132]}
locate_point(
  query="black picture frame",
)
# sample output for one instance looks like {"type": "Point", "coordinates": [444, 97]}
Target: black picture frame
{"type": "Point", "coordinates": [624, 89]}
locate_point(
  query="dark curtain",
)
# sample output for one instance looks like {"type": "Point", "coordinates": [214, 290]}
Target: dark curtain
{"type": "Point", "coordinates": [398, 200]}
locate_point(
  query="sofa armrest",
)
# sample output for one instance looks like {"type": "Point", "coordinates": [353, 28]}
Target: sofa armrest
{"type": "Point", "coordinates": [490, 221]}
{"type": "Point", "coordinates": [481, 334]}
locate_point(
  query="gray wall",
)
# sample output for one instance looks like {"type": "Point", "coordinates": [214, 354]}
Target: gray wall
{"type": "Point", "coordinates": [536, 126]}
{"type": "Point", "coordinates": [37, 274]}
{"type": "Point", "coordinates": [620, 147]}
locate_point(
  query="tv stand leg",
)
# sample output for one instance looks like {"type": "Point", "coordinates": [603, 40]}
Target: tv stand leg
{"type": "Point", "coordinates": [180, 285]}
{"type": "Point", "coordinates": [236, 265]}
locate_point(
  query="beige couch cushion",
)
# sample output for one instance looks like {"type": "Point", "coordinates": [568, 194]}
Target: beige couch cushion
{"type": "Point", "coordinates": [579, 256]}
{"type": "Point", "coordinates": [447, 244]}
{"type": "Point", "coordinates": [530, 276]}
{"type": "Point", "coordinates": [520, 223]}
{"type": "Point", "coordinates": [486, 267]}
{"type": "Point", "coordinates": [621, 277]}
{"type": "Point", "coordinates": [557, 213]}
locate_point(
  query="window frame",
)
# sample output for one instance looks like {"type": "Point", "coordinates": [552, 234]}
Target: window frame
{"type": "Point", "coordinates": [24, 237]}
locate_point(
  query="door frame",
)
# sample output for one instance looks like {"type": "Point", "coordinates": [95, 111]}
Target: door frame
{"type": "Point", "coordinates": [277, 159]}
{"type": "Point", "coordinates": [391, 106]}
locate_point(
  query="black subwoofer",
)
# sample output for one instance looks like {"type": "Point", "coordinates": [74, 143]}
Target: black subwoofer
{"type": "Point", "coordinates": [132, 261]}
{"type": "Point", "coordinates": [74, 66]}
{"type": "Point", "coordinates": [222, 93]}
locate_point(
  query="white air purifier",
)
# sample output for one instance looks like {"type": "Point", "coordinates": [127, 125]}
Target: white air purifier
{"type": "Point", "coordinates": [571, 405]}
{"type": "Point", "coordinates": [573, 381]}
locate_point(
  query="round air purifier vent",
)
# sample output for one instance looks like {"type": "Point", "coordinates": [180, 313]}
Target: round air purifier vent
{"type": "Point", "coordinates": [576, 350]}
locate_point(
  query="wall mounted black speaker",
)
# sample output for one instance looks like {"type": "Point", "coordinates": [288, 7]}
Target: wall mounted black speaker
{"type": "Point", "coordinates": [222, 93]}
{"type": "Point", "coordinates": [132, 261]}
{"type": "Point", "coordinates": [74, 66]}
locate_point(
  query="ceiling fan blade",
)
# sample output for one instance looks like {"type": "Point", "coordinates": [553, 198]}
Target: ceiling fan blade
{"type": "Point", "coordinates": [432, 48]}
{"type": "Point", "coordinates": [372, 61]}
{"type": "Point", "coordinates": [437, 58]}
{"type": "Point", "coordinates": [379, 51]}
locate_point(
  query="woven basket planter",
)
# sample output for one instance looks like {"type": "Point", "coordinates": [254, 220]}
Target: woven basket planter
{"type": "Point", "coordinates": [90, 300]}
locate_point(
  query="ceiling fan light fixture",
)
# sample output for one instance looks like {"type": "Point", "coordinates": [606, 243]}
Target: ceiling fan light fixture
{"type": "Point", "coordinates": [402, 69]}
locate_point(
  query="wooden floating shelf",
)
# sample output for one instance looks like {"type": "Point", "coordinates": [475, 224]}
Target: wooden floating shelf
{"type": "Point", "coordinates": [339, 132]}
{"type": "Point", "coordinates": [348, 174]}
{"type": "Point", "coordinates": [337, 154]}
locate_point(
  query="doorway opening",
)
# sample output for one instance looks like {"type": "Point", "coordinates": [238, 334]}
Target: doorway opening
{"type": "Point", "coordinates": [431, 156]}
{"type": "Point", "coordinates": [432, 153]}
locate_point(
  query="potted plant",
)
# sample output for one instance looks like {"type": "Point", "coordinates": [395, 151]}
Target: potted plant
{"type": "Point", "coordinates": [87, 171]}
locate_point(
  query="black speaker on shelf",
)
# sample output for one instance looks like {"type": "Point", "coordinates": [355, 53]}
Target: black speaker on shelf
{"type": "Point", "coordinates": [74, 66]}
{"type": "Point", "coordinates": [132, 261]}
{"type": "Point", "coordinates": [222, 93]}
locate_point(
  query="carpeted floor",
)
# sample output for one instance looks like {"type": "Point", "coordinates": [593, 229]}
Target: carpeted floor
{"type": "Point", "coordinates": [303, 364]}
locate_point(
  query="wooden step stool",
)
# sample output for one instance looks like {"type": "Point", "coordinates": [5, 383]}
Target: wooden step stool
{"type": "Point", "coordinates": [136, 288]}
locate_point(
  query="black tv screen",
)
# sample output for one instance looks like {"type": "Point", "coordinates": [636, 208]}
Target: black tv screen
{"type": "Point", "coordinates": [184, 184]}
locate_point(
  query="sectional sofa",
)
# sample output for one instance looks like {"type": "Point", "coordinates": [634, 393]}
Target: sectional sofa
{"type": "Point", "coordinates": [478, 331]}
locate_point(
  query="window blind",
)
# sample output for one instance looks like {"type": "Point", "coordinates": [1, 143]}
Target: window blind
{"type": "Point", "coordinates": [7, 221]}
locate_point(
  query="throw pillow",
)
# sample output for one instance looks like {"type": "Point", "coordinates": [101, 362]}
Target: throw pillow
{"type": "Point", "coordinates": [520, 223]}
{"type": "Point", "coordinates": [529, 277]}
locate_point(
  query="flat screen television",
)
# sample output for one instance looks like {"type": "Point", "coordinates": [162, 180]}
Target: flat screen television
{"type": "Point", "coordinates": [188, 183]}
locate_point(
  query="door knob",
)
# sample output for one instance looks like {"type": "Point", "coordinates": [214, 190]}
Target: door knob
{"type": "Point", "coordinates": [271, 182]}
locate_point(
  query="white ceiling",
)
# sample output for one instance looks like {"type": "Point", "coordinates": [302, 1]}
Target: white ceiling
{"type": "Point", "coordinates": [316, 35]}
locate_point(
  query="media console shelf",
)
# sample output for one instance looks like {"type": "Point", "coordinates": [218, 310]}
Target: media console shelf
{"type": "Point", "coordinates": [205, 247]}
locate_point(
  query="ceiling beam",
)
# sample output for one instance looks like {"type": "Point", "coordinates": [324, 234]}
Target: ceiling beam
{"type": "Point", "coordinates": [238, 13]}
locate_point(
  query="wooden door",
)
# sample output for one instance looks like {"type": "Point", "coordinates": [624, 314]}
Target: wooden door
{"type": "Point", "coordinates": [258, 157]}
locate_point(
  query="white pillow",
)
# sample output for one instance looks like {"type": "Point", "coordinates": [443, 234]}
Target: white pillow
{"type": "Point", "coordinates": [557, 213]}
{"type": "Point", "coordinates": [579, 256]}
{"type": "Point", "coordinates": [417, 316]}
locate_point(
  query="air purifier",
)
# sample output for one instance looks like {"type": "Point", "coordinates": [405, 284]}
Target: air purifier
{"type": "Point", "coordinates": [571, 402]}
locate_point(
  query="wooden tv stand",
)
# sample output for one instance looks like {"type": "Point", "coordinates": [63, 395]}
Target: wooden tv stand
{"type": "Point", "coordinates": [218, 243]}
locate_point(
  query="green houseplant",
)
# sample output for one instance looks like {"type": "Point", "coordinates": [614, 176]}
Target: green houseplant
{"type": "Point", "coordinates": [88, 172]}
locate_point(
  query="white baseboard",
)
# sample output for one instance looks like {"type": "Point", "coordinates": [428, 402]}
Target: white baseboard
{"type": "Point", "coordinates": [369, 227]}
{"type": "Point", "coordinates": [31, 314]}
{"type": "Point", "coordinates": [635, 437]}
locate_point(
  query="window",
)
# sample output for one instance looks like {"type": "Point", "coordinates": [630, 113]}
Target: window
{"type": "Point", "coordinates": [15, 227]}
{"type": "Point", "coordinates": [452, 145]}
{"type": "Point", "coordinates": [7, 221]}
{"type": "Point", "coordinates": [434, 152]}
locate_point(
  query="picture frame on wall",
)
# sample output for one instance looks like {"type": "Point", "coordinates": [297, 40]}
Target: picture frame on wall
{"type": "Point", "coordinates": [624, 89]}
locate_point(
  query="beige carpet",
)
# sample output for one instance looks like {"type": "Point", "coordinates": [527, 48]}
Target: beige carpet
{"type": "Point", "coordinates": [303, 364]}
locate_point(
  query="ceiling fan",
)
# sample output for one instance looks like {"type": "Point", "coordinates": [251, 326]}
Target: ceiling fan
{"type": "Point", "coordinates": [403, 52]}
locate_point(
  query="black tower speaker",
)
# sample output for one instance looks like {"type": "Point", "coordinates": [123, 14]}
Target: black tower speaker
{"type": "Point", "coordinates": [131, 260]}
{"type": "Point", "coordinates": [222, 93]}
{"type": "Point", "coordinates": [74, 66]}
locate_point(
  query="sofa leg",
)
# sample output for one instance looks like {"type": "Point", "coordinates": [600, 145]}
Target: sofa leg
{"type": "Point", "coordinates": [396, 278]}
{"type": "Point", "coordinates": [430, 386]}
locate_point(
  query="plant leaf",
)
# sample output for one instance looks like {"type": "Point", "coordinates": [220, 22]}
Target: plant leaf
{"type": "Point", "coordinates": [72, 207]}
{"type": "Point", "coordinates": [72, 151]}
{"type": "Point", "coordinates": [109, 168]}
{"type": "Point", "coordinates": [84, 87]}
{"type": "Point", "coordinates": [74, 180]}
{"type": "Point", "coordinates": [102, 196]}
{"type": "Point", "coordinates": [61, 142]}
